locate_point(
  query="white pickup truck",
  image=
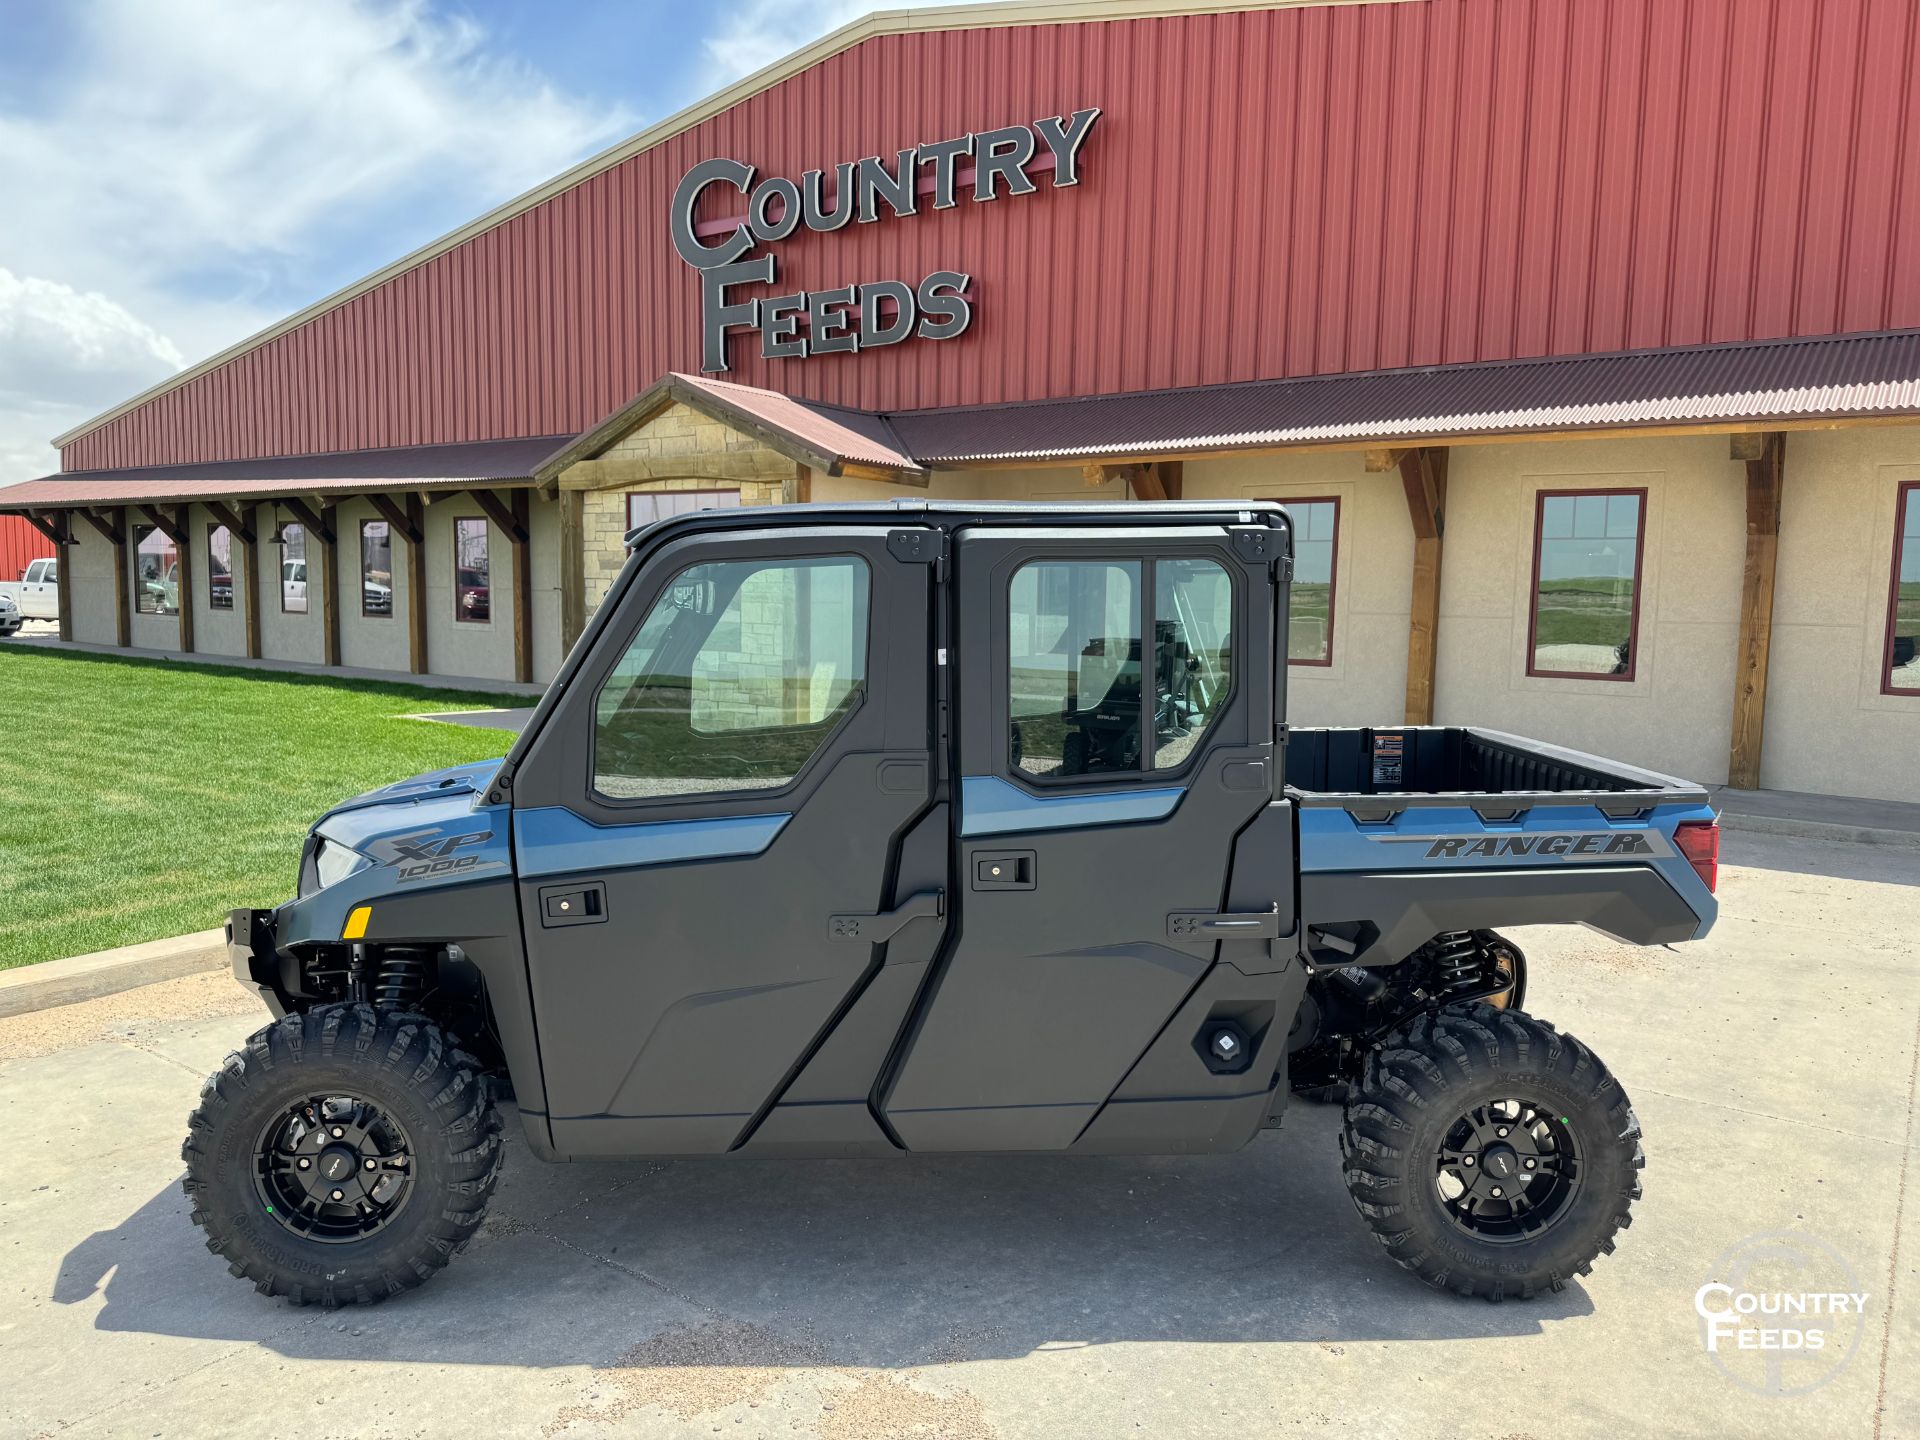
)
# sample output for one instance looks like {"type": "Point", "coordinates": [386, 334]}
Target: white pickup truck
{"type": "Point", "coordinates": [37, 592]}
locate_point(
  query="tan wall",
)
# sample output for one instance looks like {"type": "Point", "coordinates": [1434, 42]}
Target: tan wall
{"type": "Point", "coordinates": [90, 586]}
{"type": "Point", "coordinates": [1676, 714]}
{"type": "Point", "coordinates": [1829, 729]}
{"type": "Point", "coordinates": [285, 636]}
{"type": "Point", "coordinates": [215, 632]}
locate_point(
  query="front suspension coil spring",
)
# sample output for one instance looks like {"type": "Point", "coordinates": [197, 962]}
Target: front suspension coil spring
{"type": "Point", "coordinates": [401, 980]}
{"type": "Point", "coordinates": [1459, 963]}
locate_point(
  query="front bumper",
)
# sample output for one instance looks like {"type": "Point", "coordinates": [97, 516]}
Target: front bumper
{"type": "Point", "coordinates": [254, 956]}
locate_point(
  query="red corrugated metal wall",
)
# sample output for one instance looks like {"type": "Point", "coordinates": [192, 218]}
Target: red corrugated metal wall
{"type": "Point", "coordinates": [1269, 193]}
{"type": "Point", "coordinates": [19, 543]}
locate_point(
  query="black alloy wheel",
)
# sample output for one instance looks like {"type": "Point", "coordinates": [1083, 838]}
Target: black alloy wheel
{"type": "Point", "coordinates": [333, 1168]}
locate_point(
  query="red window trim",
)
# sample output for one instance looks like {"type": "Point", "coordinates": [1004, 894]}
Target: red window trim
{"type": "Point", "coordinates": [486, 531]}
{"type": "Point", "coordinates": [1533, 585]}
{"type": "Point", "coordinates": [1909, 493]}
{"type": "Point", "coordinates": [658, 494]}
{"type": "Point", "coordinates": [1333, 569]}
{"type": "Point", "coordinates": [214, 527]}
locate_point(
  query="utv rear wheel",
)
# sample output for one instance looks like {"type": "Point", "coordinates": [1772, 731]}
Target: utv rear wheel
{"type": "Point", "coordinates": [1491, 1154]}
{"type": "Point", "coordinates": [343, 1155]}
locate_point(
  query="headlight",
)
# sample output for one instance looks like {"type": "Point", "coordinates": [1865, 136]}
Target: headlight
{"type": "Point", "coordinates": [335, 863]}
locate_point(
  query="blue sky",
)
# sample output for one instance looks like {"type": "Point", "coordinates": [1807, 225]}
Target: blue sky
{"type": "Point", "coordinates": [174, 176]}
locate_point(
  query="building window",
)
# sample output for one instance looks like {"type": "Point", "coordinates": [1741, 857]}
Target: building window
{"type": "Point", "coordinates": [740, 674]}
{"type": "Point", "coordinates": [1903, 599]}
{"type": "Point", "coordinates": [156, 572]}
{"type": "Point", "coordinates": [376, 568]}
{"type": "Point", "coordinates": [646, 506]}
{"type": "Point", "coordinates": [472, 588]}
{"type": "Point", "coordinates": [219, 568]}
{"type": "Point", "coordinates": [1585, 620]}
{"type": "Point", "coordinates": [1074, 673]}
{"type": "Point", "coordinates": [293, 570]}
{"type": "Point", "coordinates": [1316, 544]}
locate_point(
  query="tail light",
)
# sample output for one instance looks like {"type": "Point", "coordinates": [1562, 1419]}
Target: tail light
{"type": "Point", "coordinates": [1699, 841]}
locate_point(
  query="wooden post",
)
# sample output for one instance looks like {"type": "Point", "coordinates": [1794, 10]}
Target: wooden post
{"type": "Point", "coordinates": [113, 529]}
{"type": "Point", "coordinates": [797, 489]}
{"type": "Point", "coordinates": [1423, 474]}
{"type": "Point", "coordinates": [244, 567]}
{"type": "Point", "coordinates": [1765, 476]}
{"type": "Point", "coordinates": [57, 526]}
{"type": "Point", "coordinates": [573, 566]}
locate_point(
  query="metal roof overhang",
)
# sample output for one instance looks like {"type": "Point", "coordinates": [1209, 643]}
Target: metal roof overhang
{"type": "Point", "coordinates": [493, 464]}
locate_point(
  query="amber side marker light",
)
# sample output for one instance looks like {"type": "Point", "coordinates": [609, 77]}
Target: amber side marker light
{"type": "Point", "coordinates": [357, 918]}
{"type": "Point", "coordinates": [1699, 841]}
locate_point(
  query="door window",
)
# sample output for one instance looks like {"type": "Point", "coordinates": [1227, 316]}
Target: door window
{"type": "Point", "coordinates": [1076, 699]}
{"type": "Point", "coordinates": [738, 676]}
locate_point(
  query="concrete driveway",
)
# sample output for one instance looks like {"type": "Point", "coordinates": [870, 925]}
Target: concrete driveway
{"type": "Point", "coordinates": [1772, 1067]}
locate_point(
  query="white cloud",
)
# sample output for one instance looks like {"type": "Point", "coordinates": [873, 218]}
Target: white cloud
{"type": "Point", "coordinates": [200, 168]}
{"type": "Point", "coordinates": [755, 34]}
{"type": "Point", "coordinates": [60, 345]}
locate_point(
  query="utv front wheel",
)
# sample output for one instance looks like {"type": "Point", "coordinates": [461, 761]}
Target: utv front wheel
{"type": "Point", "coordinates": [342, 1156]}
{"type": "Point", "coordinates": [1491, 1154]}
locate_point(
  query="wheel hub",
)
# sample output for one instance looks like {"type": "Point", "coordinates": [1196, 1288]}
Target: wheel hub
{"type": "Point", "coordinates": [333, 1168]}
{"type": "Point", "coordinates": [1507, 1169]}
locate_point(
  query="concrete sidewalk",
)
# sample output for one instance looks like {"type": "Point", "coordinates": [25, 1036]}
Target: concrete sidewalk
{"type": "Point", "coordinates": [1772, 1066]}
{"type": "Point", "coordinates": [1819, 817]}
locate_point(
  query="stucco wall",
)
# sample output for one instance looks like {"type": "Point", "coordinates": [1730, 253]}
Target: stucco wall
{"type": "Point", "coordinates": [90, 586]}
{"type": "Point", "coordinates": [1829, 729]}
{"type": "Point", "coordinates": [215, 632]}
{"type": "Point", "coordinates": [285, 636]}
{"type": "Point", "coordinates": [481, 648]}
{"type": "Point", "coordinates": [369, 642]}
{"type": "Point", "coordinates": [1676, 713]}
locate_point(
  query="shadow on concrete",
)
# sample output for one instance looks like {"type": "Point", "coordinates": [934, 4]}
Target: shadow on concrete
{"type": "Point", "coordinates": [882, 1263]}
{"type": "Point", "coordinates": [1831, 859]}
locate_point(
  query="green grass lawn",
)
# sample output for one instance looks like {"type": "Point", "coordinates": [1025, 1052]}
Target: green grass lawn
{"type": "Point", "coordinates": [142, 799]}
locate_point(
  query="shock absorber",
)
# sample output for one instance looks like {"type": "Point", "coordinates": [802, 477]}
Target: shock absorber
{"type": "Point", "coordinates": [1458, 963]}
{"type": "Point", "coordinates": [401, 980]}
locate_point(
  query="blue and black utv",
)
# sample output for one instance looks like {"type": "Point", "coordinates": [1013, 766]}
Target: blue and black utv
{"type": "Point", "coordinates": [875, 830]}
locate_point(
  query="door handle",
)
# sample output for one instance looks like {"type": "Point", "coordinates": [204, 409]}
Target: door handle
{"type": "Point", "coordinates": [1229, 925]}
{"type": "Point", "coordinates": [573, 905]}
{"type": "Point", "coordinates": [878, 929]}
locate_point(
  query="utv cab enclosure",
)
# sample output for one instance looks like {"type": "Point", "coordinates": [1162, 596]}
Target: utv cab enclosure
{"type": "Point", "coordinates": [868, 830]}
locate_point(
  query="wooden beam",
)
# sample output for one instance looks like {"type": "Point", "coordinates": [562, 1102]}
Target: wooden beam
{"type": "Point", "coordinates": [1173, 478]}
{"type": "Point", "coordinates": [172, 526]}
{"type": "Point", "coordinates": [503, 515]}
{"type": "Point", "coordinates": [573, 566]}
{"type": "Point", "coordinates": [404, 518]}
{"type": "Point", "coordinates": [323, 528]}
{"type": "Point", "coordinates": [1749, 446]}
{"type": "Point", "coordinates": [240, 529]}
{"type": "Point", "coordinates": [1765, 478]}
{"type": "Point", "coordinates": [182, 537]}
{"type": "Point", "coordinates": [414, 529]}
{"type": "Point", "coordinates": [318, 524]}
{"type": "Point", "coordinates": [122, 596]}
{"type": "Point", "coordinates": [111, 526]}
{"type": "Point", "coordinates": [246, 575]}
{"type": "Point", "coordinates": [48, 527]}
{"type": "Point", "coordinates": [1379, 462]}
{"type": "Point", "coordinates": [517, 539]}
{"type": "Point", "coordinates": [1145, 483]}
{"type": "Point", "coordinates": [797, 488]}
{"type": "Point", "coordinates": [1423, 475]}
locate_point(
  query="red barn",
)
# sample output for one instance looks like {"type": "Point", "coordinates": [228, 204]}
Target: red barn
{"type": "Point", "coordinates": [1586, 339]}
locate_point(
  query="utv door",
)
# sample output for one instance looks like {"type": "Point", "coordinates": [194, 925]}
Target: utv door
{"type": "Point", "coordinates": [706, 828]}
{"type": "Point", "coordinates": [1117, 695]}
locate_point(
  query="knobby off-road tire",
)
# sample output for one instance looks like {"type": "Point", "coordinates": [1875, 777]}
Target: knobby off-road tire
{"type": "Point", "coordinates": [1433, 1074]}
{"type": "Point", "coordinates": [427, 1091]}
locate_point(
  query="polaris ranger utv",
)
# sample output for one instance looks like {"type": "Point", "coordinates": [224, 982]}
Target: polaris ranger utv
{"type": "Point", "coordinates": [873, 830]}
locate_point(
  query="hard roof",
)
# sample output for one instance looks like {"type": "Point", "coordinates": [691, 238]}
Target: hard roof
{"type": "Point", "coordinates": [426, 467]}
